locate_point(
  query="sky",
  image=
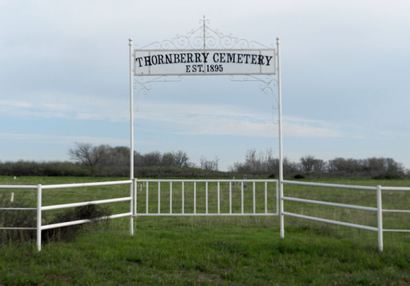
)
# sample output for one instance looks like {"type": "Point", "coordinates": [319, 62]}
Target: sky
{"type": "Point", "coordinates": [345, 75]}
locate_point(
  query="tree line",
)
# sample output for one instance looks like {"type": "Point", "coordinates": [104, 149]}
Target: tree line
{"type": "Point", "coordinates": [309, 166]}
{"type": "Point", "coordinates": [108, 161]}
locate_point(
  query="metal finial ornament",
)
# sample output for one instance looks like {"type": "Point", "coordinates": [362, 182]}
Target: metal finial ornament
{"type": "Point", "coordinates": [204, 30]}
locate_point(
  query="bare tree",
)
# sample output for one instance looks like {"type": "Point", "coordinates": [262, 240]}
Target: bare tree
{"type": "Point", "coordinates": [87, 154]}
{"type": "Point", "coordinates": [310, 164]}
{"type": "Point", "coordinates": [210, 165]}
{"type": "Point", "coordinates": [181, 159]}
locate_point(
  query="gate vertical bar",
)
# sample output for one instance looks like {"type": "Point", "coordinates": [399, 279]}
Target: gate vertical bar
{"type": "Point", "coordinates": [146, 196]}
{"type": "Point", "coordinates": [170, 197]}
{"type": "Point", "coordinates": [131, 91]}
{"type": "Point", "coordinates": [379, 218]}
{"type": "Point", "coordinates": [39, 218]}
{"type": "Point", "coordinates": [136, 197]}
{"type": "Point", "coordinates": [266, 197]}
{"type": "Point", "coordinates": [242, 209]}
{"type": "Point", "coordinates": [219, 197]}
{"type": "Point", "coordinates": [206, 197]}
{"type": "Point", "coordinates": [195, 197]}
{"type": "Point", "coordinates": [280, 133]}
{"type": "Point", "coordinates": [159, 197]}
{"type": "Point", "coordinates": [254, 197]}
{"type": "Point", "coordinates": [230, 197]}
{"type": "Point", "coordinates": [183, 196]}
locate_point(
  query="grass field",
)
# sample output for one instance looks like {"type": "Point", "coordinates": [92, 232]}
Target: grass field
{"type": "Point", "coordinates": [222, 251]}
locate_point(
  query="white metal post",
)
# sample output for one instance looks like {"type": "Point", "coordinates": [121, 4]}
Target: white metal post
{"type": "Point", "coordinates": [280, 133]}
{"type": "Point", "coordinates": [39, 218]}
{"type": "Point", "coordinates": [132, 208]}
{"type": "Point", "coordinates": [131, 91]}
{"type": "Point", "coordinates": [379, 218]}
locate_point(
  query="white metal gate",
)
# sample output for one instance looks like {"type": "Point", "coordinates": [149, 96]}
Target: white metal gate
{"type": "Point", "coordinates": [229, 197]}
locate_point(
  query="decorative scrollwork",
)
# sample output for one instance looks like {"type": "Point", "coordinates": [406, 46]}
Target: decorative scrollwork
{"type": "Point", "coordinates": [143, 85]}
{"type": "Point", "coordinates": [204, 36]}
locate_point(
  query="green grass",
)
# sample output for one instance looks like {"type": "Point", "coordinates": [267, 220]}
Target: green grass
{"type": "Point", "coordinates": [221, 251]}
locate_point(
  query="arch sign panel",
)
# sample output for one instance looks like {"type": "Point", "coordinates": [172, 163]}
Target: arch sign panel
{"type": "Point", "coordinates": [150, 62]}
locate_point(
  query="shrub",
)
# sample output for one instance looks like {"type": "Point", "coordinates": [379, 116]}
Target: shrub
{"type": "Point", "coordinates": [298, 176]}
{"type": "Point", "coordinates": [91, 212]}
{"type": "Point", "coordinates": [13, 218]}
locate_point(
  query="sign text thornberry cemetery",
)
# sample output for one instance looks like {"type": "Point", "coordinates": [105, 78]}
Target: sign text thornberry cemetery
{"type": "Point", "coordinates": [204, 62]}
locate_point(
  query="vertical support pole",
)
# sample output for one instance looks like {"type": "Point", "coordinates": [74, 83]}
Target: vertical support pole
{"type": "Point", "coordinates": [133, 182]}
{"type": "Point", "coordinates": [280, 134]}
{"type": "Point", "coordinates": [277, 196]}
{"type": "Point", "coordinates": [379, 218]}
{"type": "Point", "coordinates": [131, 91]}
{"type": "Point", "coordinates": [39, 218]}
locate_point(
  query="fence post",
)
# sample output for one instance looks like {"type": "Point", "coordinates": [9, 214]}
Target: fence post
{"type": "Point", "coordinates": [379, 218]}
{"type": "Point", "coordinates": [133, 183]}
{"type": "Point", "coordinates": [281, 211]}
{"type": "Point", "coordinates": [39, 199]}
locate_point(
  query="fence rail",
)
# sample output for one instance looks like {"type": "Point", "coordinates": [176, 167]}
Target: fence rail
{"type": "Point", "coordinates": [40, 208]}
{"type": "Point", "coordinates": [213, 197]}
{"type": "Point", "coordinates": [378, 210]}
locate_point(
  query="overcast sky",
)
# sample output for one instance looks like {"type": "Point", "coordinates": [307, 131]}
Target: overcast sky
{"type": "Point", "coordinates": [346, 79]}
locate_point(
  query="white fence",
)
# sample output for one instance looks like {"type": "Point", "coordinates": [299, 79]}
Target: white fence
{"type": "Point", "coordinates": [40, 208]}
{"type": "Point", "coordinates": [378, 210]}
{"type": "Point", "coordinates": [176, 197]}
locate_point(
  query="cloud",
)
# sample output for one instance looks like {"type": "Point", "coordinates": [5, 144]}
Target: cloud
{"type": "Point", "coordinates": [61, 139]}
{"type": "Point", "coordinates": [180, 118]}
{"type": "Point", "coordinates": [207, 119]}
{"type": "Point", "coordinates": [52, 104]}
